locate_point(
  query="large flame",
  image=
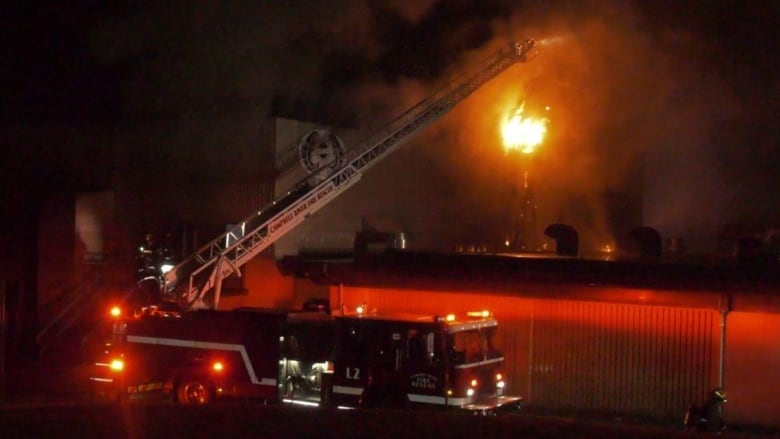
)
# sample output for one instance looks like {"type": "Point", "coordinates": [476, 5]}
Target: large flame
{"type": "Point", "coordinates": [523, 133]}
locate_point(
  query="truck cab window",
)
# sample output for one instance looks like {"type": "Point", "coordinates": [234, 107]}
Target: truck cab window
{"type": "Point", "coordinates": [469, 346]}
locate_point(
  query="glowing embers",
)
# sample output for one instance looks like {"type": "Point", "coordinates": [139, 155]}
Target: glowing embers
{"type": "Point", "coordinates": [523, 133]}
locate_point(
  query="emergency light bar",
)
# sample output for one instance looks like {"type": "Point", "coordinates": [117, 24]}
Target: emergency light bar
{"type": "Point", "coordinates": [451, 317]}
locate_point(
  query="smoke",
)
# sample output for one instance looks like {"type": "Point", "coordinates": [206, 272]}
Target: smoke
{"type": "Point", "coordinates": [635, 103]}
{"type": "Point", "coordinates": [634, 106]}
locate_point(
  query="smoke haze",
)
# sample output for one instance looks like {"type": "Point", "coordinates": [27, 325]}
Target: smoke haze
{"type": "Point", "coordinates": [643, 105]}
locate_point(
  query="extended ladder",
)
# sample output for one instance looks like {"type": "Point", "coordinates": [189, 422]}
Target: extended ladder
{"type": "Point", "coordinates": [204, 270]}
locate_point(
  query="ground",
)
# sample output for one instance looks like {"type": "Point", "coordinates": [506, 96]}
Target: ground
{"type": "Point", "coordinates": [255, 420]}
{"type": "Point", "coordinates": [84, 418]}
{"type": "Point", "coordinates": [46, 403]}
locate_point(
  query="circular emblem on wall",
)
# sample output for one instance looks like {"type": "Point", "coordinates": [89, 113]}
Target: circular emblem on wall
{"type": "Point", "coordinates": [321, 152]}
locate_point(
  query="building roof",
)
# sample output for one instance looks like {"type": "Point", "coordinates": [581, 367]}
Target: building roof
{"type": "Point", "coordinates": [753, 286]}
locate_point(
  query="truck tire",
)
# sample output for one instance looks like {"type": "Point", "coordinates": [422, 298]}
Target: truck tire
{"type": "Point", "coordinates": [194, 391]}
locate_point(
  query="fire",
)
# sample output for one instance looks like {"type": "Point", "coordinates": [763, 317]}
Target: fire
{"type": "Point", "coordinates": [523, 133]}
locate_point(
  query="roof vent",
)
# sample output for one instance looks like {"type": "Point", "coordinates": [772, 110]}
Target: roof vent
{"type": "Point", "coordinates": [567, 241]}
{"type": "Point", "coordinates": [649, 241]}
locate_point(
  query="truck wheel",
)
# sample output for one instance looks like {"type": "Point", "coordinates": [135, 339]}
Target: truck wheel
{"type": "Point", "coordinates": [194, 392]}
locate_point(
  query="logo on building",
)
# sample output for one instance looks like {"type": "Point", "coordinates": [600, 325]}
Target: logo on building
{"type": "Point", "coordinates": [321, 152]}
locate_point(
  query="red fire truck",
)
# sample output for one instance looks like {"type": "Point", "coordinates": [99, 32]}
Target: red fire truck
{"type": "Point", "coordinates": [200, 356]}
{"type": "Point", "coordinates": [311, 358]}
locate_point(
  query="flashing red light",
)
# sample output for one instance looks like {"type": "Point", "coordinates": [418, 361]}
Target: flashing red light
{"type": "Point", "coordinates": [117, 365]}
{"type": "Point", "coordinates": [115, 312]}
{"type": "Point", "coordinates": [217, 366]}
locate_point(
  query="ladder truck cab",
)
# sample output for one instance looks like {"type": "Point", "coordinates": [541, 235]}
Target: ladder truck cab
{"type": "Point", "coordinates": [199, 357]}
{"type": "Point", "coordinates": [400, 361]}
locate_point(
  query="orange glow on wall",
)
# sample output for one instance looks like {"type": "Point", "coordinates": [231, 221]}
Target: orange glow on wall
{"type": "Point", "coordinates": [752, 362]}
{"type": "Point", "coordinates": [266, 286]}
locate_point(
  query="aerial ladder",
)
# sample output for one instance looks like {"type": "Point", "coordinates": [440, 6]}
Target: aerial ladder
{"type": "Point", "coordinates": [196, 282]}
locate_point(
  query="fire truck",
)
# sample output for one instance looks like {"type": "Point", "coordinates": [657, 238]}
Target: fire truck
{"type": "Point", "coordinates": [197, 354]}
{"type": "Point", "coordinates": [356, 360]}
{"type": "Point", "coordinates": [200, 356]}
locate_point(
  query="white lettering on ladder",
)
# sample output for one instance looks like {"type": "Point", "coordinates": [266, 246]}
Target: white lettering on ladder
{"type": "Point", "coordinates": [301, 208]}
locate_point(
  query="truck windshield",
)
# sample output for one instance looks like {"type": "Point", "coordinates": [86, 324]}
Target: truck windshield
{"type": "Point", "coordinates": [473, 345]}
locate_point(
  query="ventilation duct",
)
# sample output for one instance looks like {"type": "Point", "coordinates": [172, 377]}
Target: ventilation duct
{"type": "Point", "coordinates": [567, 241]}
{"type": "Point", "coordinates": [649, 241]}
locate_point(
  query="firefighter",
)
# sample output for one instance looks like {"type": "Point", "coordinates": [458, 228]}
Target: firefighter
{"type": "Point", "coordinates": [712, 411]}
{"type": "Point", "coordinates": [147, 291]}
{"type": "Point", "coordinates": [147, 253]}
{"type": "Point", "coordinates": [708, 417]}
{"type": "Point", "coordinates": [166, 249]}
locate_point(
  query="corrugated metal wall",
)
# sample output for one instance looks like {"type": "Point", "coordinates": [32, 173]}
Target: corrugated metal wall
{"type": "Point", "coordinates": [621, 358]}
{"type": "Point", "coordinates": [585, 356]}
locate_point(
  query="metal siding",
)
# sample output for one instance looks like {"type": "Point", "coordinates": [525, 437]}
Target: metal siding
{"type": "Point", "coordinates": [621, 358]}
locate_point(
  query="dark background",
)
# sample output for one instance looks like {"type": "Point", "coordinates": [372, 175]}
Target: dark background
{"type": "Point", "coordinates": [690, 87]}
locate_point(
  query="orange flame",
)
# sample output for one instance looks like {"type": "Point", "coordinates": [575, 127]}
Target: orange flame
{"type": "Point", "coordinates": [523, 133]}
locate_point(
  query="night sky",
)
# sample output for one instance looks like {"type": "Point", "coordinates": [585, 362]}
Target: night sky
{"type": "Point", "coordinates": [687, 89]}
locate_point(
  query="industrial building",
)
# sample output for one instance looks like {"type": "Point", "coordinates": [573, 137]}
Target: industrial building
{"type": "Point", "coordinates": [625, 335]}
